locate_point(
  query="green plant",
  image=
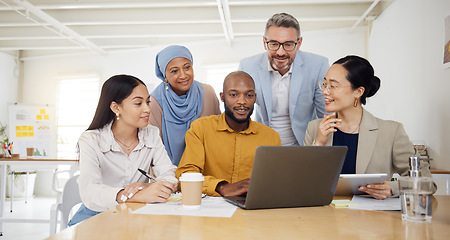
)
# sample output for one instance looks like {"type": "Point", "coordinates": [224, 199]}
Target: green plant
{"type": "Point", "coordinates": [3, 134]}
{"type": "Point", "coordinates": [3, 137]}
{"type": "Point", "coordinates": [4, 140]}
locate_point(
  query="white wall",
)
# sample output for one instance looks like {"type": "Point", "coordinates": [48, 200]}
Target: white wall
{"type": "Point", "coordinates": [8, 84]}
{"type": "Point", "coordinates": [406, 49]}
{"type": "Point", "coordinates": [40, 74]}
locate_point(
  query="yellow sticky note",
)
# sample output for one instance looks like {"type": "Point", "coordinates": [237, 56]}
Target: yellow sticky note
{"type": "Point", "coordinates": [18, 128]}
{"type": "Point", "coordinates": [25, 134]}
{"type": "Point", "coordinates": [24, 128]}
{"type": "Point", "coordinates": [173, 199]}
{"type": "Point", "coordinates": [342, 203]}
{"type": "Point", "coordinates": [18, 134]}
{"type": "Point", "coordinates": [31, 134]}
{"type": "Point", "coordinates": [42, 111]}
{"type": "Point", "coordinates": [30, 128]}
{"type": "Point", "coordinates": [46, 117]}
{"type": "Point", "coordinates": [39, 117]}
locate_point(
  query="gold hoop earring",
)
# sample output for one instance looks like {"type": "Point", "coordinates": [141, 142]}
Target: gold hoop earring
{"type": "Point", "coordinates": [355, 103]}
{"type": "Point", "coordinates": [117, 116]}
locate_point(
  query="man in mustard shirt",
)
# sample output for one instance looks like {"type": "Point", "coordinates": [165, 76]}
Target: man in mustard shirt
{"type": "Point", "coordinates": [222, 147]}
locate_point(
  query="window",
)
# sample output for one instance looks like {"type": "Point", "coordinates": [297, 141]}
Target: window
{"type": "Point", "coordinates": [215, 74]}
{"type": "Point", "coordinates": [77, 99]}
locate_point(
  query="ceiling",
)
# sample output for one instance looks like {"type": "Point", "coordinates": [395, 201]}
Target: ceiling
{"type": "Point", "coordinates": [45, 27]}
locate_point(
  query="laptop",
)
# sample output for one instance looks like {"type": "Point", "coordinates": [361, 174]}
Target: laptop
{"type": "Point", "coordinates": [292, 176]}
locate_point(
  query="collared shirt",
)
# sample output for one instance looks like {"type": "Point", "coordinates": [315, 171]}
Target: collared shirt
{"type": "Point", "coordinates": [221, 154]}
{"type": "Point", "coordinates": [105, 168]}
{"type": "Point", "coordinates": [281, 121]}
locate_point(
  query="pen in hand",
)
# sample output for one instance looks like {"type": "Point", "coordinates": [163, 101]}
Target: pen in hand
{"type": "Point", "coordinates": [145, 174]}
{"type": "Point", "coordinates": [148, 176]}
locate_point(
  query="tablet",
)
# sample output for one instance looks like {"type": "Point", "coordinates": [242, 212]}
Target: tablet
{"type": "Point", "coordinates": [348, 184]}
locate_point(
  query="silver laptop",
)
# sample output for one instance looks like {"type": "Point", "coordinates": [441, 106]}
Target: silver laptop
{"type": "Point", "coordinates": [292, 176]}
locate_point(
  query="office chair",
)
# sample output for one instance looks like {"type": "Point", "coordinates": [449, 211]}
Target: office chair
{"type": "Point", "coordinates": [59, 182]}
{"type": "Point", "coordinates": [70, 198]}
{"type": "Point", "coordinates": [443, 184]}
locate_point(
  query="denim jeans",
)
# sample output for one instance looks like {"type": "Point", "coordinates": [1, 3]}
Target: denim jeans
{"type": "Point", "coordinates": [82, 214]}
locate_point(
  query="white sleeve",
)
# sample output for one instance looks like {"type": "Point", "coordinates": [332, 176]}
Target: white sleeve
{"type": "Point", "coordinates": [94, 194]}
{"type": "Point", "coordinates": [162, 166]}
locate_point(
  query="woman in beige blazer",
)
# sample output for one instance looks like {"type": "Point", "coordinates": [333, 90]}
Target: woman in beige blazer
{"type": "Point", "coordinates": [375, 145]}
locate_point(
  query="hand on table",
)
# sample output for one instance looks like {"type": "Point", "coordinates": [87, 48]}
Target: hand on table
{"type": "Point", "coordinates": [133, 188]}
{"type": "Point", "coordinates": [158, 191]}
{"type": "Point", "coordinates": [146, 192]}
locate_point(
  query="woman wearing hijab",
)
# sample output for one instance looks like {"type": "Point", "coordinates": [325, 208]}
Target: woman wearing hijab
{"type": "Point", "coordinates": [374, 145]}
{"type": "Point", "coordinates": [179, 99]}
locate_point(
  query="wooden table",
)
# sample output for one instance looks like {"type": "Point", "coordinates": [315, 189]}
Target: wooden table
{"type": "Point", "coordinates": [325, 222]}
{"type": "Point", "coordinates": [25, 161]}
{"type": "Point", "coordinates": [439, 171]}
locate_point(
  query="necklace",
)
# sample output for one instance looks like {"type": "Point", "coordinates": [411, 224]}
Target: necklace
{"type": "Point", "coordinates": [357, 127]}
{"type": "Point", "coordinates": [128, 147]}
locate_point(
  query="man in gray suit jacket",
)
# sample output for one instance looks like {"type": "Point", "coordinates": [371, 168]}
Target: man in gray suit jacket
{"type": "Point", "coordinates": [287, 80]}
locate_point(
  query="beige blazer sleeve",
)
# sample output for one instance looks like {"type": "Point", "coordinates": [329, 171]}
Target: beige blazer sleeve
{"type": "Point", "coordinates": [383, 147]}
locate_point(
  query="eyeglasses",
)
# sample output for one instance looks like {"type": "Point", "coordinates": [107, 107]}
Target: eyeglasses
{"type": "Point", "coordinates": [287, 46]}
{"type": "Point", "coordinates": [331, 88]}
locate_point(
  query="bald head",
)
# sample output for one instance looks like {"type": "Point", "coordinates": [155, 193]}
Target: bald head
{"type": "Point", "coordinates": [238, 97]}
{"type": "Point", "coordinates": [238, 77]}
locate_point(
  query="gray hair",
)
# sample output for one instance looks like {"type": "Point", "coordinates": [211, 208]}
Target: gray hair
{"type": "Point", "coordinates": [283, 20]}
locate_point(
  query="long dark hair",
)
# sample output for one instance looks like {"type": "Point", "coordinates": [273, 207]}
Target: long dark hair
{"type": "Point", "coordinates": [360, 74]}
{"type": "Point", "coordinates": [115, 89]}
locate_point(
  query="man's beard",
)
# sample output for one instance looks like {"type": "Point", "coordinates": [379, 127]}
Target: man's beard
{"type": "Point", "coordinates": [274, 66]}
{"type": "Point", "coordinates": [230, 114]}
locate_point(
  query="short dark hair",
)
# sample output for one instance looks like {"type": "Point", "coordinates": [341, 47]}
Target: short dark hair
{"type": "Point", "coordinates": [115, 89]}
{"type": "Point", "coordinates": [360, 73]}
{"type": "Point", "coordinates": [283, 20]}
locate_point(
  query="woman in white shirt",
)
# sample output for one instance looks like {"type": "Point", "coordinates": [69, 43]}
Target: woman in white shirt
{"type": "Point", "coordinates": [118, 142]}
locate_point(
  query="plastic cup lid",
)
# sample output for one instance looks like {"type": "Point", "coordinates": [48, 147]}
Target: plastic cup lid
{"type": "Point", "coordinates": [191, 177]}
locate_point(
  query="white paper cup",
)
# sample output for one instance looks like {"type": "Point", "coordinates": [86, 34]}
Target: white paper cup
{"type": "Point", "coordinates": [191, 190]}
